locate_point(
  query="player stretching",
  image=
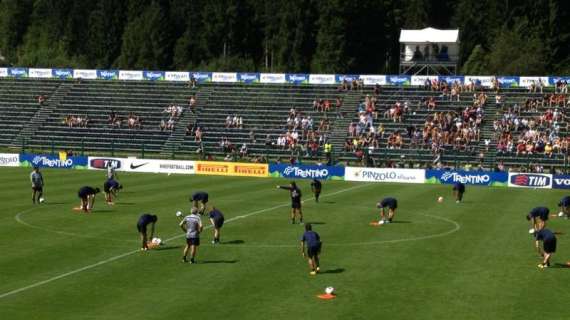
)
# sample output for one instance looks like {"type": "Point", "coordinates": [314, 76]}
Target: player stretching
{"type": "Point", "coordinates": [548, 246]}
{"type": "Point", "coordinates": [392, 205]}
{"type": "Point", "coordinates": [295, 201]}
{"type": "Point", "coordinates": [537, 217]}
{"type": "Point", "coordinates": [142, 224]}
{"type": "Point", "coordinates": [87, 195]}
{"type": "Point", "coordinates": [564, 206]}
{"type": "Point", "coordinates": [217, 220]}
{"type": "Point", "coordinates": [199, 200]}
{"type": "Point", "coordinates": [192, 226]}
{"type": "Point", "coordinates": [316, 187]}
{"type": "Point", "coordinates": [458, 191]}
{"type": "Point", "coordinates": [313, 243]}
{"type": "Point", "coordinates": [37, 185]}
{"type": "Point", "coordinates": [111, 188]}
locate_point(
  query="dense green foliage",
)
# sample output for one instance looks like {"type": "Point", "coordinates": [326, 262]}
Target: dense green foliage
{"type": "Point", "coordinates": [524, 37]}
{"type": "Point", "coordinates": [473, 260]}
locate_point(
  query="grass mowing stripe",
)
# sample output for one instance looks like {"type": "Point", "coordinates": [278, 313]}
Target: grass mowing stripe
{"type": "Point", "coordinates": [91, 266]}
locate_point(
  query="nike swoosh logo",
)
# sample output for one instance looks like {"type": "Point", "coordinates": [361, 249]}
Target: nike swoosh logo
{"type": "Point", "coordinates": [138, 165]}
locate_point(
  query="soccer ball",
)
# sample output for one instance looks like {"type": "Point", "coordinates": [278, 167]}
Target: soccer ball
{"type": "Point", "coordinates": [41, 200]}
{"type": "Point", "coordinates": [329, 290]}
{"type": "Point", "coordinates": [156, 241]}
{"type": "Point", "coordinates": [440, 199]}
{"type": "Point", "coordinates": [178, 213]}
{"type": "Point", "coordinates": [560, 214]}
{"type": "Point", "coordinates": [531, 230]}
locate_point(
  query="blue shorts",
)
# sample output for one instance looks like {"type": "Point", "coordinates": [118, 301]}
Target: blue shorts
{"type": "Point", "coordinates": [218, 224]}
{"type": "Point", "coordinates": [550, 246]}
{"type": "Point", "coordinates": [193, 241]}
{"type": "Point", "coordinates": [313, 251]}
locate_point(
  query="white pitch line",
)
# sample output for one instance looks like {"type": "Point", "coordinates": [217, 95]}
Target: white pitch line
{"type": "Point", "coordinates": [102, 262]}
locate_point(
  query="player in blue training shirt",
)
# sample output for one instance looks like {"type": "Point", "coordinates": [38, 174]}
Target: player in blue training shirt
{"type": "Point", "coordinates": [87, 195]}
{"type": "Point", "coordinates": [217, 220]}
{"type": "Point", "coordinates": [111, 188]}
{"type": "Point", "coordinates": [458, 191]}
{"type": "Point", "coordinates": [295, 193]}
{"type": "Point", "coordinates": [391, 204]}
{"type": "Point", "coordinates": [548, 246]}
{"type": "Point", "coordinates": [142, 224]}
{"type": "Point", "coordinates": [199, 200]}
{"type": "Point", "coordinates": [538, 217]}
{"type": "Point", "coordinates": [564, 206]}
{"type": "Point", "coordinates": [312, 241]}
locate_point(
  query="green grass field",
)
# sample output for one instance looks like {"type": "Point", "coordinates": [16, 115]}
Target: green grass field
{"type": "Point", "coordinates": [473, 260]}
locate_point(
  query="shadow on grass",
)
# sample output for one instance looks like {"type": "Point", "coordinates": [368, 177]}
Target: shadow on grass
{"type": "Point", "coordinates": [561, 266]}
{"type": "Point", "coordinates": [53, 203]}
{"type": "Point", "coordinates": [217, 261]}
{"type": "Point", "coordinates": [400, 221]}
{"type": "Point", "coordinates": [233, 242]}
{"type": "Point", "coordinates": [329, 202]}
{"type": "Point", "coordinates": [333, 271]}
{"type": "Point", "coordinates": [168, 248]}
{"type": "Point", "coordinates": [126, 203]}
{"type": "Point", "coordinates": [315, 222]}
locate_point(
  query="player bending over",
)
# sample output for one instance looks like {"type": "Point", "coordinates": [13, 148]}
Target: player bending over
{"type": "Point", "coordinates": [217, 220]}
{"type": "Point", "coordinates": [538, 217]}
{"type": "Point", "coordinates": [458, 191]}
{"type": "Point", "coordinates": [548, 246]}
{"type": "Point", "coordinates": [199, 200]}
{"type": "Point", "coordinates": [564, 206]}
{"type": "Point", "coordinates": [295, 201]}
{"type": "Point", "coordinates": [87, 195]}
{"type": "Point", "coordinates": [37, 185]}
{"type": "Point", "coordinates": [391, 204]}
{"type": "Point", "coordinates": [111, 188]}
{"type": "Point", "coordinates": [142, 224]}
{"type": "Point", "coordinates": [192, 226]}
{"type": "Point", "coordinates": [316, 187]}
{"type": "Point", "coordinates": [312, 241]}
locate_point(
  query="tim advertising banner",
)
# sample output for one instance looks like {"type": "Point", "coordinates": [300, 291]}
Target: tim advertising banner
{"type": "Point", "coordinates": [384, 175]}
{"type": "Point", "coordinates": [530, 180]}
{"type": "Point", "coordinates": [232, 169]}
{"type": "Point", "coordinates": [561, 182]}
{"type": "Point", "coordinates": [481, 178]}
{"type": "Point", "coordinates": [306, 172]}
{"type": "Point", "coordinates": [60, 161]}
{"type": "Point", "coordinates": [9, 160]}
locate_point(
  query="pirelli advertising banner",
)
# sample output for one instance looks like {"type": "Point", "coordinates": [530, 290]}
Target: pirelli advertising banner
{"type": "Point", "coordinates": [232, 169]}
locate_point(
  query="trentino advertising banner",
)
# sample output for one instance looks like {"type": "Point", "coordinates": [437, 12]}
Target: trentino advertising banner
{"type": "Point", "coordinates": [482, 178]}
{"type": "Point", "coordinates": [306, 172]}
{"type": "Point", "coordinates": [60, 161]}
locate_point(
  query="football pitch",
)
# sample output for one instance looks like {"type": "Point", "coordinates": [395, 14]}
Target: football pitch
{"type": "Point", "coordinates": [474, 260]}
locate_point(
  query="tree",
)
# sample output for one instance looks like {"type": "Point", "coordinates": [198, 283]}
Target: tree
{"type": "Point", "coordinates": [330, 54]}
{"type": "Point", "coordinates": [14, 22]}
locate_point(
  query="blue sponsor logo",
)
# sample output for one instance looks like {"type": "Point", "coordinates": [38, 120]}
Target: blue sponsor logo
{"type": "Point", "coordinates": [248, 77]}
{"type": "Point", "coordinates": [552, 80]}
{"type": "Point", "coordinates": [508, 82]}
{"type": "Point", "coordinates": [399, 80]}
{"type": "Point", "coordinates": [297, 78]}
{"type": "Point", "coordinates": [108, 74]}
{"type": "Point", "coordinates": [51, 161]}
{"type": "Point", "coordinates": [451, 79]}
{"type": "Point", "coordinates": [306, 171]}
{"type": "Point", "coordinates": [561, 182]}
{"type": "Point", "coordinates": [18, 72]}
{"type": "Point", "coordinates": [467, 177]}
{"type": "Point", "coordinates": [153, 75]}
{"type": "Point", "coordinates": [62, 73]}
{"type": "Point", "coordinates": [201, 76]}
{"type": "Point", "coordinates": [339, 78]}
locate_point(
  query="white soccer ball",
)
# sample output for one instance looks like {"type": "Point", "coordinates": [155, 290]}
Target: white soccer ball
{"type": "Point", "coordinates": [179, 213]}
{"type": "Point", "coordinates": [440, 199]}
{"type": "Point", "coordinates": [169, 174]}
{"type": "Point", "coordinates": [560, 214]}
{"type": "Point", "coordinates": [531, 230]}
{"type": "Point", "coordinates": [381, 222]}
{"type": "Point", "coordinates": [156, 241]}
{"type": "Point", "coordinates": [329, 290]}
{"type": "Point", "coordinates": [42, 200]}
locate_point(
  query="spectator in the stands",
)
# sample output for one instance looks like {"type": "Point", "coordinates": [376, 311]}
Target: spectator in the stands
{"type": "Point", "coordinates": [228, 121]}
{"type": "Point", "coordinates": [111, 120]}
{"type": "Point", "coordinates": [170, 124]}
{"type": "Point", "coordinates": [189, 129]}
{"type": "Point", "coordinates": [41, 99]}
{"type": "Point", "coordinates": [192, 102]}
{"type": "Point", "coordinates": [243, 151]}
{"type": "Point", "coordinates": [338, 107]}
{"type": "Point", "coordinates": [198, 135]}
{"type": "Point", "coordinates": [162, 125]}
{"type": "Point", "coordinates": [252, 138]}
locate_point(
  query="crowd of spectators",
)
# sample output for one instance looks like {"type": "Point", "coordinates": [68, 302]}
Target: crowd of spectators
{"type": "Point", "coordinates": [76, 121]}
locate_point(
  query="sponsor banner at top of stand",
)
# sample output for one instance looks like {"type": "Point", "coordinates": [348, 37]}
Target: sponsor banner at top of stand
{"type": "Point", "coordinates": [396, 80]}
{"type": "Point", "coordinates": [551, 80]}
{"type": "Point", "coordinates": [421, 80]}
{"type": "Point", "coordinates": [9, 160]}
{"type": "Point", "coordinates": [339, 78]}
{"type": "Point", "coordinates": [528, 81]}
{"type": "Point", "coordinates": [248, 77]}
{"type": "Point", "coordinates": [384, 175]}
{"type": "Point", "coordinates": [498, 179]}
{"type": "Point", "coordinates": [130, 75]}
{"type": "Point", "coordinates": [153, 75]}
{"type": "Point", "coordinates": [272, 78]}
{"type": "Point", "coordinates": [201, 77]}
{"type": "Point", "coordinates": [232, 169]}
{"type": "Point", "coordinates": [484, 81]}
{"type": "Point", "coordinates": [108, 74]}
{"type": "Point", "coordinates": [39, 73]}
{"type": "Point", "coordinates": [306, 172]}
{"type": "Point", "coordinates": [84, 74]}
{"type": "Point", "coordinates": [321, 79]}
{"type": "Point", "coordinates": [62, 73]}
{"type": "Point", "coordinates": [18, 72]}
{"type": "Point", "coordinates": [530, 180]}
{"type": "Point", "coordinates": [561, 182]}
{"type": "Point", "coordinates": [370, 79]}
{"type": "Point", "coordinates": [297, 78]}
{"type": "Point", "coordinates": [508, 82]}
{"type": "Point", "coordinates": [3, 72]}
{"type": "Point", "coordinates": [225, 77]}
{"type": "Point", "coordinates": [52, 161]}
{"type": "Point", "coordinates": [177, 76]}
{"type": "Point", "coordinates": [451, 79]}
